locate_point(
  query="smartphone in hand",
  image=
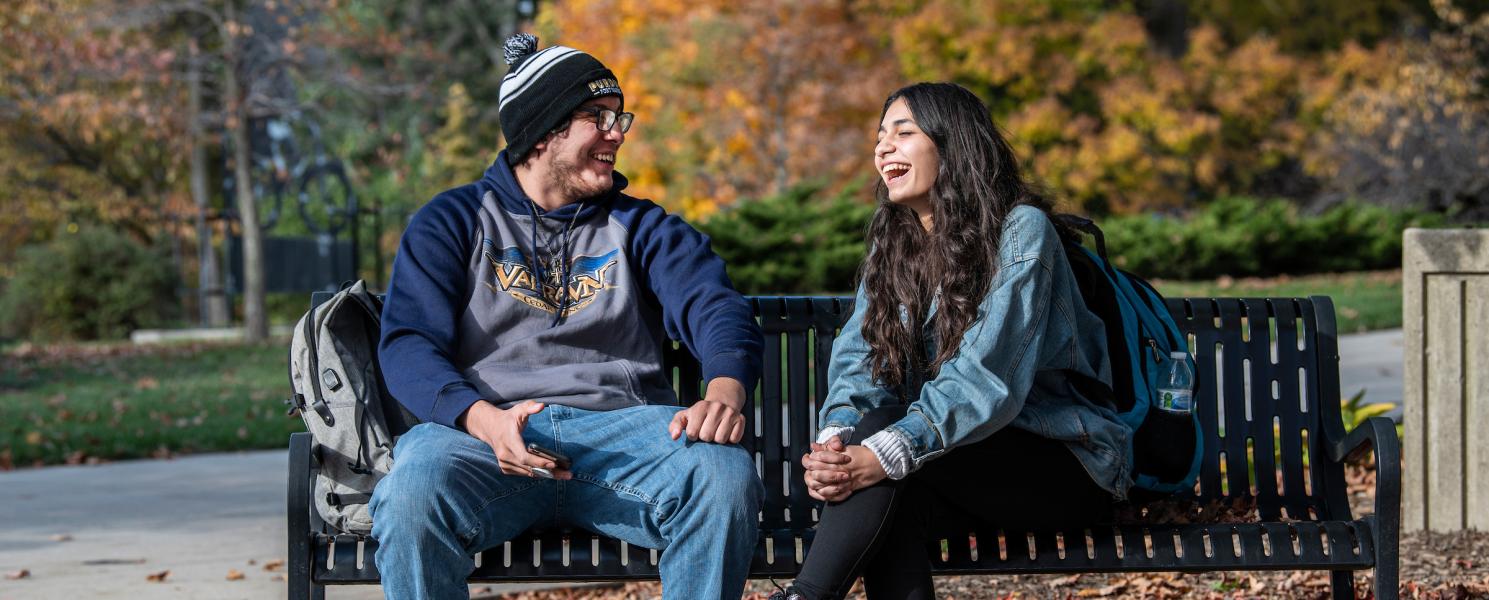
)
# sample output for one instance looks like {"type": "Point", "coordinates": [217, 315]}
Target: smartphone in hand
{"type": "Point", "coordinates": [550, 454]}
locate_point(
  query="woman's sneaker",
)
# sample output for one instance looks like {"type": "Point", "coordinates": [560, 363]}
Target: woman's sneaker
{"type": "Point", "coordinates": [785, 594]}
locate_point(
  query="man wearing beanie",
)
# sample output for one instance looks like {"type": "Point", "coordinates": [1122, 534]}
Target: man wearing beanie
{"type": "Point", "coordinates": [533, 307]}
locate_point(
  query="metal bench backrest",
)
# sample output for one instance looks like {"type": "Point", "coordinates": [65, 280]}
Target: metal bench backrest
{"type": "Point", "coordinates": [1267, 371]}
{"type": "Point", "coordinates": [1267, 376]}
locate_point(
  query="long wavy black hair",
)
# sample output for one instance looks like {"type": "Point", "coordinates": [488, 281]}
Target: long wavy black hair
{"type": "Point", "coordinates": [977, 185]}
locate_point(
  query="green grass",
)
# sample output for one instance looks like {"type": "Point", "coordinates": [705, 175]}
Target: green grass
{"type": "Point", "coordinates": [1362, 301]}
{"type": "Point", "coordinates": [71, 404]}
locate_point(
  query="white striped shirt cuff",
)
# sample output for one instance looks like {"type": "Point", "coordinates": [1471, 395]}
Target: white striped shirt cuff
{"type": "Point", "coordinates": [826, 434]}
{"type": "Point", "coordinates": [892, 451]}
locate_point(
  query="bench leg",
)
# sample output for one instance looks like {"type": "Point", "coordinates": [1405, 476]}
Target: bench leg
{"type": "Point", "coordinates": [301, 561]}
{"type": "Point", "coordinates": [1388, 555]}
{"type": "Point", "coordinates": [1342, 583]}
{"type": "Point", "coordinates": [1387, 579]}
{"type": "Point", "coordinates": [305, 589]}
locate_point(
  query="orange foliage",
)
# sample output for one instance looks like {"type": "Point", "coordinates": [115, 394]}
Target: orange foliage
{"type": "Point", "coordinates": [735, 100]}
{"type": "Point", "coordinates": [87, 135]}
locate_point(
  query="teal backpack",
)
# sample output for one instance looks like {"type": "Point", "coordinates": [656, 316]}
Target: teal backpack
{"type": "Point", "coordinates": [1140, 336]}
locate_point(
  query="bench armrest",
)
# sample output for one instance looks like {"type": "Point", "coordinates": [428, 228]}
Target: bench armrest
{"type": "Point", "coordinates": [1379, 434]}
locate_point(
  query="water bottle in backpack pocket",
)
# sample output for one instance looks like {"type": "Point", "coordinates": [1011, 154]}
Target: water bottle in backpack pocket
{"type": "Point", "coordinates": [1176, 387]}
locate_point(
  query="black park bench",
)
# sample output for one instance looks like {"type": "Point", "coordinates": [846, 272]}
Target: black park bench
{"type": "Point", "coordinates": [1268, 373]}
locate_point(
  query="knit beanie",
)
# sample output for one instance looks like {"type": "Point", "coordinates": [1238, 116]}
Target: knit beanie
{"type": "Point", "coordinates": [543, 88]}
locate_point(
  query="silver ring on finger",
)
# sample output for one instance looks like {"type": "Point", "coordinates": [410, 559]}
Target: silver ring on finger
{"type": "Point", "coordinates": [540, 472]}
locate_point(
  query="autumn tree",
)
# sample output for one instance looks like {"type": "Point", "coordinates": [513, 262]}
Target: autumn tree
{"type": "Point", "coordinates": [83, 138]}
{"type": "Point", "coordinates": [1311, 27]}
{"type": "Point", "coordinates": [1409, 125]}
{"type": "Point", "coordinates": [269, 59]}
{"type": "Point", "coordinates": [735, 99]}
{"type": "Point", "coordinates": [431, 122]}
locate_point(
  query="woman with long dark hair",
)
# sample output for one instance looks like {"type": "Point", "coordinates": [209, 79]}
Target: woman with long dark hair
{"type": "Point", "coordinates": [952, 393]}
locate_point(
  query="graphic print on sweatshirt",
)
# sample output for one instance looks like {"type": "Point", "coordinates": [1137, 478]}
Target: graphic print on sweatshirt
{"type": "Point", "coordinates": [588, 278]}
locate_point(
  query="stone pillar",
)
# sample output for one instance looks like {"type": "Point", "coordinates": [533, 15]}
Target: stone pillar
{"type": "Point", "coordinates": [1445, 316]}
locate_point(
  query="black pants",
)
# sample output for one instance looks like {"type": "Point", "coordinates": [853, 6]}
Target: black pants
{"type": "Point", "coordinates": [1013, 479]}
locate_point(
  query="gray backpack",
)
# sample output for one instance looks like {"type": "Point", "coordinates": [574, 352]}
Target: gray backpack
{"type": "Point", "coordinates": [339, 392]}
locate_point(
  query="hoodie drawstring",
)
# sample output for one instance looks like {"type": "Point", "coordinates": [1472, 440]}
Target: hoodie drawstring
{"type": "Point", "coordinates": [565, 264]}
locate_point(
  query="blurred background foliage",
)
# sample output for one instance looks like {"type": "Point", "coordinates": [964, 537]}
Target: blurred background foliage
{"type": "Point", "coordinates": [1219, 137]}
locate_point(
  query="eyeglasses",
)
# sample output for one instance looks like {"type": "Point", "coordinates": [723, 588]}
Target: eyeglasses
{"type": "Point", "coordinates": [606, 119]}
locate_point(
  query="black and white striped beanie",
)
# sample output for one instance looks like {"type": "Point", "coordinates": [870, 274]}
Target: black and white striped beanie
{"type": "Point", "coordinates": [543, 88]}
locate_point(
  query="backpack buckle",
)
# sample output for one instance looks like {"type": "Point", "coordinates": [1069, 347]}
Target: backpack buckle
{"type": "Point", "coordinates": [296, 404]}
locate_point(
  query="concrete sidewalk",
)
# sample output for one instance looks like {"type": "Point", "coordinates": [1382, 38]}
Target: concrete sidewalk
{"type": "Point", "coordinates": [1372, 362]}
{"type": "Point", "coordinates": [198, 517]}
{"type": "Point", "coordinates": [99, 531]}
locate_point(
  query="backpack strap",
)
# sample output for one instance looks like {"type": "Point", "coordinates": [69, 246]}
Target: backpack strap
{"type": "Point", "coordinates": [335, 499]}
{"type": "Point", "coordinates": [1087, 227]}
{"type": "Point", "coordinates": [319, 404]}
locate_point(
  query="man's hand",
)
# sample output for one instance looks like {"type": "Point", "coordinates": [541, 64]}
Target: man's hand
{"type": "Point", "coordinates": [502, 430]}
{"type": "Point", "coordinates": [717, 417]}
{"type": "Point", "coordinates": [834, 471]}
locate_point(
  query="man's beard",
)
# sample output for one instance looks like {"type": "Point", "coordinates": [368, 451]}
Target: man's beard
{"type": "Point", "coordinates": [564, 175]}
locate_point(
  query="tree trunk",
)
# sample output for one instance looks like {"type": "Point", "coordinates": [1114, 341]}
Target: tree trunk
{"type": "Point", "coordinates": [210, 297]}
{"type": "Point", "coordinates": [255, 320]}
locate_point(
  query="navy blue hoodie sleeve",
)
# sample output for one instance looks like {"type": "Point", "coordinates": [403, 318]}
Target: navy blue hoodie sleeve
{"type": "Point", "coordinates": [700, 307]}
{"type": "Point", "coordinates": [421, 315]}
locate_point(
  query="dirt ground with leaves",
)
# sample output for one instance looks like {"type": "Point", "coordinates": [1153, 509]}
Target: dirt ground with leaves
{"type": "Point", "coordinates": [1433, 567]}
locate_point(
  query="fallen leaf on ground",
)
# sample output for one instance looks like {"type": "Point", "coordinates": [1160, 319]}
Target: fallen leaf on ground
{"type": "Point", "coordinates": [1067, 580]}
{"type": "Point", "coordinates": [234, 575]}
{"type": "Point", "coordinates": [21, 574]}
{"type": "Point", "coordinates": [158, 577]}
{"type": "Point", "coordinates": [146, 383]}
{"type": "Point", "coordinates": [273, 564]}
{"type": "Point", "coordinates": [1101, 592]}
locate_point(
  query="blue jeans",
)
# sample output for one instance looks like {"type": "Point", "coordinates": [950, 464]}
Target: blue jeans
{"type": "Point", "coordinates": [447, 499]}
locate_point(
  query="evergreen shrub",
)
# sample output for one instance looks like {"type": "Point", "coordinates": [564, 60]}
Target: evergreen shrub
{"type": "Point", "coordinates": [93, 284]}
{"type": "Point", "coordinates": [798, 243]}
{"type": "Point", "coordinates": [1244, 237]}
{"type": "Point", "coordinates": [794, 242]}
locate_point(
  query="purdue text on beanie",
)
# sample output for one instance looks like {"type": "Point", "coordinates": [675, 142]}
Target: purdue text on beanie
{"type": "Point", "coordinates": [543, 88]}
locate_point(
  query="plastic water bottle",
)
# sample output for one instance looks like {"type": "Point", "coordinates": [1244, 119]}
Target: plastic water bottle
{"type": "Point", "coordinates": [1176, 389]}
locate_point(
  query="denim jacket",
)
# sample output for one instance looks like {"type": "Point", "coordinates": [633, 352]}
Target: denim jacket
{"type": "Point", "coordinates": [1031, 326]}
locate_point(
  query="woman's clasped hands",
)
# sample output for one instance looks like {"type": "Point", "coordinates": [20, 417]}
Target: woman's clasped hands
{"type": "Point", "coordinates": [835, 470]}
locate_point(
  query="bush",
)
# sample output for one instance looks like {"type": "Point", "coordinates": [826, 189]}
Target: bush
{"type": "Point", "coordinates": [1250, 237]}
{"type": "Point", "coordinates": [93, 284]}
{"type": "Point", "coordinates": [797, 243]}
{"type": "Point", "coordinates": [794, 242]}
